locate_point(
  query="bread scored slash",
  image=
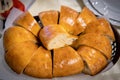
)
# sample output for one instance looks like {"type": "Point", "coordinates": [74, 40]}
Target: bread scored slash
{"type": "Point", "coordinates": [27, 21]}
{"type": "Point", "coordinates": [55, 36]}
{"type": "Point", "coordinates": [93, 59]}
{"type": "Point", "coordinates": [48, 17]}
{"type": "Point", "coordinates": [106, 28]}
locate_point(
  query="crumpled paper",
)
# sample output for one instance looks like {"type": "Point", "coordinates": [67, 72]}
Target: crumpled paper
{"type": "Point", "coordinates": [36, 6]}
{"type": "Point", "coordinates": [43, 5]}
{"type": "Point", "coordinates": [14, 13]}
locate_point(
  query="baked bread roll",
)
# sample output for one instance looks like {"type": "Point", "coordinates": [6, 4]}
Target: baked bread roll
{"type": "Point", "coordinates": [40, 65]}
{"type": "Point", "coordinates": [55, 36]}
{"type": "Point", "coordinates": [19, 55]}
{"type": "Point", "coordinates": [67, 18]}
{"type": "Point", "coordinates": [17, 34]}
{"type": "Point", "coordinates": [27, 21]}
{"type": "Point", "coordinates": [62, 35]}
{"type": "Point", "coordinates": [66, 61]}
{"type": "Point", "coordinates": [86, 16]}
{"type": "Point", "coordinates": [93, 59]}
{"type": "Point", "coordinates": [101, 26]}
{"type": "Point", "coordinates": [97, 41]}
{"type": "Point", "coordinates": [48, 17]}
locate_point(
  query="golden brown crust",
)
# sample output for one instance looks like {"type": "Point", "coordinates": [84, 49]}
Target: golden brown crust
{"type": "Point", "coordinates": [93, 45]}
{"type": "Point", "coordinates": [40, 65]}
{"type": "Point", "coordinates": [86, 16]}
{"type": "Point", "coordinates": [49, 17]}
{"type": "Point", "coordinates": [106, 28]}
{"type": "Point", "coordinates": [52, 32]}
{"type": "Point", "coordinates": [94, 59]}
{"type": "Point", "coordinates": [17, 34]}
{"type": "Point", "coordinates": [49, 32]}
{"type": "Point", "coordinates": [19, 55]}
{"type": "Point", "coordinates": [101, 26]}
{"type": "Point", "coordinates": [27, 21]}
{"type": "Point", "coordinates": [97, 41]}
{"type": "Point", "coordinates": [67, 18]}
{"type": "Point", "coordinates": [66, 61]}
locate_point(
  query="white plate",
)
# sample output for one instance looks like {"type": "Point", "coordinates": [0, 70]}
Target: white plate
{"type": "Point", "coordinates": [109, 9]}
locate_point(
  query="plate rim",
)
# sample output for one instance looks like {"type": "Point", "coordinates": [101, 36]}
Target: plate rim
{"type": "Point", "coordinates": [95, 11]}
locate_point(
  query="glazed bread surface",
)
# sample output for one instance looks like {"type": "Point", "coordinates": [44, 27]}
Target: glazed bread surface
{"type": "Point", "coordinates": [40, 64]}
{"type": "Point", "coordinates": [97, 41]}
{"type": "Point", "coordinates": [17, 34]}
{"type": "Point", "coordinates": [55, 36]}
{"type": "Point", "coordinates": [67, 43]}
{"type": "Point", "coordinates": [19, 55]}
{"type": "Point", "coordinates": [94, 59]}
{"type": "Point", "coordinates": [49, 17]}
{"type": "Point", "coordinates": [66, 62]}
{"type": "Point", "coordinates": [27, 21]}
